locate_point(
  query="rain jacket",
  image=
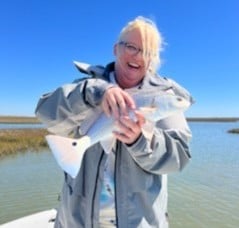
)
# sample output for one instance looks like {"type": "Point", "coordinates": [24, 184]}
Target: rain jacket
{"type": "Point", "coordinates": [140, 169]}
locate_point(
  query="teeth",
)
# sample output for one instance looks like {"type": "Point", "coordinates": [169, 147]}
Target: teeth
{"type": "Point", "coordinates": [134, 65]}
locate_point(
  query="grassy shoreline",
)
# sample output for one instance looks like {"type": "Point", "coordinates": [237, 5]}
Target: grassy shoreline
{"type": "Point", "coordinates": [34, 120]}
{"type": "Point", "coordinates": [19, 119]}
{"type": "Point", "coordinates": [213, 119]}
{"type": "Point", "coordinates": [18, 140]}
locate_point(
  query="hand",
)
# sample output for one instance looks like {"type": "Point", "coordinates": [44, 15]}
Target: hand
{"type": "Point", "coordinates": [129, 130]}
{"type": "Point", "coordinates": [116, 102]}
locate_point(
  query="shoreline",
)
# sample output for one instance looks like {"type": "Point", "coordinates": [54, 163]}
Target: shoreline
{"type": "Point", "coordinates": [18, 140]}
{"type": "Point", "coordinates": [212, 119]}
{"type": "Point", "coordinates": [19, 120]}
{"type": "Point", "coordinates": [33, 120]}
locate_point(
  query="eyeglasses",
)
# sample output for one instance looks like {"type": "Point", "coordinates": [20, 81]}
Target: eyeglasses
{"type": "Point", "coordinates": [130, 48]}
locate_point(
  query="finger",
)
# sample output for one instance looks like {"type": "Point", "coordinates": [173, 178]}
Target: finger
{"type": "Point", "coordinates": [134, 128]}
{"type": "Point", "coordinates": [122, 127]}
{"type": "Point", "coordinates": [123, 133]}
{"type": "Point", "coordinates": [114, 109]}
{"type": "Point", "coordinates": [121, 137]}
{"type": "Point", "coordinates": [129, 128]}
{"type": "Point", "coordinates": [122, 105]}
{"type": "Point", "coordinates": [108, 102]}
{"type": "Point", "coordinates": [112, 105]}
{"type": "Point", "coordinates": [120, 99]}
{"type": "Point", "coordinates": [105, 107]}
{"type": "Point", "coordinates": [140, 117]}
{"type": "Point", "coordinates": [126, 135]}
{"type": "Point", "coordinates": [129, 100]}
{"type": "Point", "coordinates": [128, 123]}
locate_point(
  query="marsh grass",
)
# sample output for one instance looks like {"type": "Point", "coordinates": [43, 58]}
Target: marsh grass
{"type": "Point", "coordinates": [19, 119]}
{"type": "Point", "coordinates": [19, 140]}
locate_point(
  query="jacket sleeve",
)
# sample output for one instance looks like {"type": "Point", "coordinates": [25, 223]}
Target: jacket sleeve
{"type": "Point", "coordinates": [168, 149]}
{"type": "Point", "coordinates": [62, 110]}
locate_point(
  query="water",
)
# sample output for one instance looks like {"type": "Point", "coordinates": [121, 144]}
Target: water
{"type": "Point", "coordinates": [204, 195]}
{"type": "Point", "coordinates": [30, 182]}
{"type": "Point", "coordinates": [18, 126]}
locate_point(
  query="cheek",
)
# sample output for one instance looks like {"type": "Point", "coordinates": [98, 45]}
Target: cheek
{"type": "Point", "coordinates": [122, 57]}
{"type": "Point", "coordinates": [118, 52]}
{"type": "Point", "coordinates": [119, 55]}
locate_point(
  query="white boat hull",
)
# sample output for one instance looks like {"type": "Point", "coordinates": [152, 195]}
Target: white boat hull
{"type": "Point", "coordinates": [43, 219]}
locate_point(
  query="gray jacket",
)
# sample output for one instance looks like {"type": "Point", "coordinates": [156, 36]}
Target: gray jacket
{"type": "Point", "coordinates": [140, 175]}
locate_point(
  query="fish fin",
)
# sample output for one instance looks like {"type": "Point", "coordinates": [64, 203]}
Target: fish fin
{"type": "Point", "coordinates": [108, 144]}
{"type": "Point", "coordinates": [148, 129]}
{"type": "Point", "coordinates": [68, 152]}
{"type": "Point", "coordinates": [147, 111]}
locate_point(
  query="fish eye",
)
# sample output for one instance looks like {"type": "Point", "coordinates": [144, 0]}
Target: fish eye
{"type": "Point", "coordinates": [74, 144]}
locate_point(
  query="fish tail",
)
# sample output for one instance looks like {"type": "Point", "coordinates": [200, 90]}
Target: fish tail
{"type": "Point", "coordinates": [68, 152]}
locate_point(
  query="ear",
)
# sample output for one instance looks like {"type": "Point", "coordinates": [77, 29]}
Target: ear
{"type": "Point", "coordinates": [115, 49]}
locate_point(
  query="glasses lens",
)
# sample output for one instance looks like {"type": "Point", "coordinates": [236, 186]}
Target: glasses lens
{"type": "Point", "coordinates": [131, 49]}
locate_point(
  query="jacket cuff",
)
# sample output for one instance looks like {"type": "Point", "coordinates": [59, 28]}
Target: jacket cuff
{"type": "Point", "coordinates": [140, 147]}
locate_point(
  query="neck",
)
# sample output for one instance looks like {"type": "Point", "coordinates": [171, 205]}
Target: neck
{"type": "Point", "coordinates": [125, 84]}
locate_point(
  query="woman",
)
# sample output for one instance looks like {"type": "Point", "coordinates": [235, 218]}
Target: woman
{"type": "Point", "coordinates": [127, 186]}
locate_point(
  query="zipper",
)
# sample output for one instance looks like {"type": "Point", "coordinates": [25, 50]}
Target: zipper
{"type": "Point", "coordinates": [115, 180]}
{"type": "Point", "coordinates": [95, 187]}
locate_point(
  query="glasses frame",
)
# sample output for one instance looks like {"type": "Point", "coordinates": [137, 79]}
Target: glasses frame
{"type": "Point", "coordinates": [131, 48]}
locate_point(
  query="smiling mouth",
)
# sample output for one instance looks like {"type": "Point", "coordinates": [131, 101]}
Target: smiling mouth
{"type": "Point", "coordinates": [134, 66]}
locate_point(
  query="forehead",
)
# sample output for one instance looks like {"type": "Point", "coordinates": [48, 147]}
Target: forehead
{"type": "Point", "coordinates": [133, 36]}
{"type": "Point", "coordinates": [143, 35]}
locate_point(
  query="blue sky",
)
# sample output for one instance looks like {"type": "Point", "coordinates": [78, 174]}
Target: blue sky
{"type": "Point", "coordinates": [40, 40]}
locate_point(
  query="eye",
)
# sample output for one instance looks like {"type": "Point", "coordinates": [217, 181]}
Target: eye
{"type": "Point", "coordinates": [74, 143]}
{"type": "Point", "coordinates": [179, 99]}
{"type": "Point", "coordinates": [131, 47]}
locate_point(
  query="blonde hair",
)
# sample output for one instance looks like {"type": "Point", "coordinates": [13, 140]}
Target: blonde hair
{"type": "Point", "coordinates": [151, 39]}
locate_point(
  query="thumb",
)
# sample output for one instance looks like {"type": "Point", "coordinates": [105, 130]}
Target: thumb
{"type": "Point", "coordinates": [140, 117]}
